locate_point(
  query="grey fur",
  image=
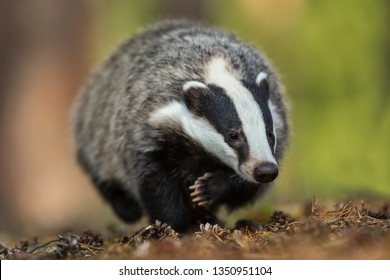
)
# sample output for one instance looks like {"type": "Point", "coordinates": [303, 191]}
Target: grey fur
{"type": "Point", "coordinates": [111, 128]}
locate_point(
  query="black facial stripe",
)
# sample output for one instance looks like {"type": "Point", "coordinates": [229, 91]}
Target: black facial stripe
{"type": "Point", "coordinates": [261, 100]}
{"type": "Point", "coordinates": [218, 109]}
{"type": "Point", "coordinates": [242, 150]}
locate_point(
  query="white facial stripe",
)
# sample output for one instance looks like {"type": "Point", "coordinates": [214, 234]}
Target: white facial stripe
{"type": "Point", "coordinates": [198, 129]}
{"type": "Point", "coordinates": [247, 108]}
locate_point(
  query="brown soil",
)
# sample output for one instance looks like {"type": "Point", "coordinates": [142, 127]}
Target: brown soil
{"type": "Point", "coordinates": [343, 231]}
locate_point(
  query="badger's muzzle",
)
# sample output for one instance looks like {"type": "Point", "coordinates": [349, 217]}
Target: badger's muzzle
{"type": "Point", "coordinates": [265, 172]}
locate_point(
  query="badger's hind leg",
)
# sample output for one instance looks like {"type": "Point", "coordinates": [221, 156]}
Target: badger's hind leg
{"type": "Point", "coordinates": [123, 202]}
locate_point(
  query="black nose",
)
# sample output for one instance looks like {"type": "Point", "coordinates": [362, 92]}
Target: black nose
{"type": "Point", "coordinates": [265, 172]}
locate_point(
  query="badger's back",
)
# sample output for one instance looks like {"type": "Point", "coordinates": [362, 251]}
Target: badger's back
{"type": "Point", "coordinates": [146, 73]}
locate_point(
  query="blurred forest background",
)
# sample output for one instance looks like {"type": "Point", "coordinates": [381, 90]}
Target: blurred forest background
{"type": "Point", "coordinates": [333, 57]}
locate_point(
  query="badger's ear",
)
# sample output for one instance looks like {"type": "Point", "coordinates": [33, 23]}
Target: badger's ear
{"type": "Point", "coordinates": [262, 83]}
{"type": "Point", "coordinates": [194, 94]}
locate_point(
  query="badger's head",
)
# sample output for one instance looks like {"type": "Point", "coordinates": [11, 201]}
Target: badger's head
{"type": "Point", "coordinates": [230, 118]}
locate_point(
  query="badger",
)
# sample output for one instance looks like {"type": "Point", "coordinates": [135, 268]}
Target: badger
{"type": "Point", "coordinates": [180, 120]}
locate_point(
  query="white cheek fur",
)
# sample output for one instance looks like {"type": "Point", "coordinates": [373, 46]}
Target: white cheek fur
{"type": "Point", "coordinates": [198, 129]}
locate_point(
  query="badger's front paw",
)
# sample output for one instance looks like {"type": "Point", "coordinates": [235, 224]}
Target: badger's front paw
{"type": "Point", "coordinates": [199, 191]}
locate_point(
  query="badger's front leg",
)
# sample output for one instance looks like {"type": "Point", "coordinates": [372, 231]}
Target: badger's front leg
{"type": "Point", "coordinates": [165, 201]}
{"type": "Point", "coordinates": [209, 190]}
{"type": "Point", "coordinates": [216, 188]}
{"type": "Point", "coordinates": [199, 193]}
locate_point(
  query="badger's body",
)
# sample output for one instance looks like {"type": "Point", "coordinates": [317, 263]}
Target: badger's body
{"type": "Point", "coordinates": [179, 120]}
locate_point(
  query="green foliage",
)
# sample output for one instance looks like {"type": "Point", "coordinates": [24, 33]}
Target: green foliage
{"type": "Point", "coordinates": [114, 21]}
{"type": "Point", "coordinates": [340, 117]}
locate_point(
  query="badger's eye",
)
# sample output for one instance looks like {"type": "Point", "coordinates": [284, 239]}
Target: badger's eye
{"type": "Point", "coordinates": [270, 134]}
{"type": "Point", "coordinates": [233, 136]}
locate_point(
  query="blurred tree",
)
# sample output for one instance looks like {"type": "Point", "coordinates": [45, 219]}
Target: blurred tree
{"type": "Point", "coordinates": [42, 62]}
{"type": "Point", "coordinates": [8, 53]}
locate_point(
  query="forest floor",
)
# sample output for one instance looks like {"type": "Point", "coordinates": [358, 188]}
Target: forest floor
{"type": "Point", "coordinates": [340, 231]}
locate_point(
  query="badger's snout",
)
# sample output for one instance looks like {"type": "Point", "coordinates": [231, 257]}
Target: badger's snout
{"type": "Point", "coordinates": [265, 172]}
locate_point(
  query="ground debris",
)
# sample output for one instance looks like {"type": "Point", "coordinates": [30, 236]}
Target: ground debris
{"type": "Point", "coordinates": [19, 251]}
{"type": "Point", "coordinates": [279, 221]}
{"type": "Point", "coordinates": [157, 231]}
{"type": "Point", "coordinates": [91, 238]}
{"type": "Point", "coordinates": [383, 213]}
{"type": "Point", "coordinates": [66, 246]}
{"type": "Point", "coordinates": [213, 233]}
{"type": "Point", "coordinates": [347, 215]}
{"type": "Point", "coordinates": [344, 230]}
